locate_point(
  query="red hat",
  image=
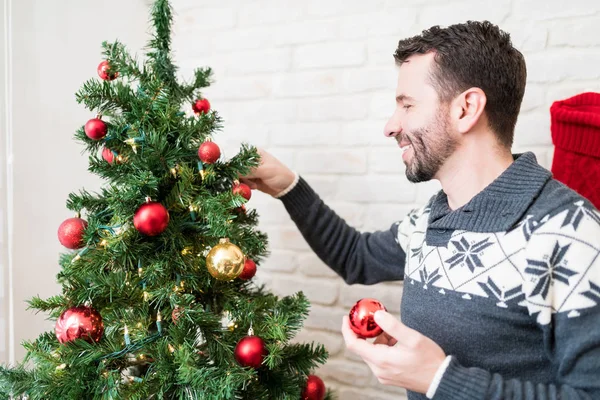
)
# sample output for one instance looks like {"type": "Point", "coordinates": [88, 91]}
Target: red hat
{"type": "Point", "coordinates": [576, 136]}
{"type": "Point", "coordinates": [576, 124]}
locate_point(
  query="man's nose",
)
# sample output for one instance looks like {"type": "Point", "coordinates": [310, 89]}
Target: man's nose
{"type": "Point", "coordinates": [392, 127]}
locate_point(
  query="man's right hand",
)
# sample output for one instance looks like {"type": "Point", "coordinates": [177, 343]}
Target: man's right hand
{"type": "Point", "coordinates": [271, 176]}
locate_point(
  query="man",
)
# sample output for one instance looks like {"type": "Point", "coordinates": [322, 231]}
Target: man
{"type": "Point", "coordinates": [501, 267]}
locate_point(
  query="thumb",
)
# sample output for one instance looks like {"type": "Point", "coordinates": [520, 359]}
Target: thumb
{"type": "Point", "coordinates": [396, 329]}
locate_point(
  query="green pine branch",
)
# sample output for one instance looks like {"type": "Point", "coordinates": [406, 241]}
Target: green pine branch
{"type": "Point", "coordinates": [137, 282]}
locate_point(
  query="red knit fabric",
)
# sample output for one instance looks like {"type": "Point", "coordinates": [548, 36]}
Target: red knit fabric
{"type": "Point", "coordinates": [575, 126]}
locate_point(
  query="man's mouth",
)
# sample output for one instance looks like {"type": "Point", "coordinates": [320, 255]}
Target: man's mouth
{"type": "Point", "coordinates": [404, 145]}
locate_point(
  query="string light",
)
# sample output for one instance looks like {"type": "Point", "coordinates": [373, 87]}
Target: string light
{"type": "Point", "coordinates": [126, 334]}
{"type": "Point", "coordinates": [131, 142]}
{"type": "Point", "coordinates": [159, 322]}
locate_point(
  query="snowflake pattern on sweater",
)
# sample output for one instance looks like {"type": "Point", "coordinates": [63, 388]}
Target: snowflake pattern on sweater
{"type": "Point", "coordinates": [546, 264]}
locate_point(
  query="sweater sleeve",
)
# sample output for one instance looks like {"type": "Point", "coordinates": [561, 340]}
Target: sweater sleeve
{"type": "Point", "coordinates": [363, 258]}
{"type": "Point", "coordinates": [562, 288]}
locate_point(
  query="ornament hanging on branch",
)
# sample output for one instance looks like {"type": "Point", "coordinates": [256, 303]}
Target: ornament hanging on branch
{"type": "Point", "coordinates": [225, 261]}
{"type": "Point", "coordinates": [201, 106]}
{"type": "Point", "coordinates": [314, 389]}
{"type": "Point", "coordinates": [70, 233]}
{"type": "Point", "coordinates": [249, 270]}
{"type": "Point", "coordinates": [79, 322]}
{"type": "Point", "coordinates": [105, 72]}
{"type": "Point", "coordinates": [108, 155]}
{"type": "Point", "coordinates": [209, 152]}
{"type": "Point", "coordinates": [228, 322]}
{"type": "Point", "coordinates": [176, 314]}
{"type": "Point", "coordinates": [362, 320]}
{"type": "Point", "coordinates": [95, 128]}
{"type": "Point", "coordinates": [250, 350]}
{"type": "Point", "coordinates": [242, 189]}
{"type": "Point", "coordinates": [151, 219]}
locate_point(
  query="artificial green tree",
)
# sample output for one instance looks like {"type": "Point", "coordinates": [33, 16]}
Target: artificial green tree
{"type": "Point", "coordinates": [157, 292]}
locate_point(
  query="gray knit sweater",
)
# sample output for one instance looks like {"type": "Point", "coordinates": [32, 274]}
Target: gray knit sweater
{"type": "Point", "coordinates": [508, 285]}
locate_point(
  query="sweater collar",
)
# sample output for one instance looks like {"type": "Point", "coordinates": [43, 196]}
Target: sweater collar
{"type": "Point", "coordinates": [500, 205]}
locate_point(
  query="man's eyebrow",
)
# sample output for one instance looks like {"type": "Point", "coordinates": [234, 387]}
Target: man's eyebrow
{"type": "Point", "coordinates": [403, 97]}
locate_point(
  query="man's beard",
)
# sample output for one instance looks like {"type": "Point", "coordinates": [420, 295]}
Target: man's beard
{"type": "Point", "coordinates": [431, 147]}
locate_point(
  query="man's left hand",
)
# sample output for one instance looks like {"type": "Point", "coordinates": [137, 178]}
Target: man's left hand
{"type": "Point", "coordinates": [400, 356]}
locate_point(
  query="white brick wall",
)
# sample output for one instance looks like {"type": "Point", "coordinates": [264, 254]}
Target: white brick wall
{"type": "Point", "coordinates": [313, 81]}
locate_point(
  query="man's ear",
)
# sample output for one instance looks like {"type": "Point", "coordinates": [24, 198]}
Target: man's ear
{"type": "Point", "coordinates": [467, 109]}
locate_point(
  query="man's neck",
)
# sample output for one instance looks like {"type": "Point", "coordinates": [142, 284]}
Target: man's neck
{"type": "Point", "coordinates": [470, 170]}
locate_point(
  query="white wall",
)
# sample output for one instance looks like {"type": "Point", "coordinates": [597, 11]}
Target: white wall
{"type": "Point", "coordinates": [55, 48]}
{"type": "Point", "coordinates": [310, 80]}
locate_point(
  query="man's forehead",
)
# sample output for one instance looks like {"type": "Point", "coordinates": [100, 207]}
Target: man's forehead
{"type": "Point", "coordinates": [417, 64]}
{"type": "Point", "coordinates": [413, 74]}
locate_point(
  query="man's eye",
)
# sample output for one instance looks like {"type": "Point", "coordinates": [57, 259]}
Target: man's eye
{"type": "Point", "coordinates": [406, 106]}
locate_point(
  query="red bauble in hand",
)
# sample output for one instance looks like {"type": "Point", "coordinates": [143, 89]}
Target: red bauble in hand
{"type": "Point", "coordinates": [250, 351]}
{"type": "Point", "coordinates": [151, 219]}
{"type": "Point", "coordinates": [243, 190]}
{"type": "Point", "coordinates": [209, 152]}
{"type": "Point", "coordinates": [362, 321]}
{"type": "Point", "coordinates": [70, 233]}
{"type": "Point", "coordinates": [79, 323]}
{"type": "Point", "coordinates": [95, 129]}
{"type": "Point", "coordinates": [201, 106]}
{"type": "Point", "coordinates": [314, 389]}
{"type": "Point", "coordinates": [249, 270]}
{"type": "Point", "coordinates": [105, 72]}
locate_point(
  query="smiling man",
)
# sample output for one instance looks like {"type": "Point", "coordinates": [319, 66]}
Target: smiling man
{"type": "Point", "coordinates": [501, 267]}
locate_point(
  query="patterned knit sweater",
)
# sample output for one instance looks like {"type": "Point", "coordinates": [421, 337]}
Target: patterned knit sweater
{"type": "Point", "coordinates": [508, 285]}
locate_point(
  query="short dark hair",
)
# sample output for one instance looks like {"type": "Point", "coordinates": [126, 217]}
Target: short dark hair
{"type": "Point", "coordinates": [474, 54]}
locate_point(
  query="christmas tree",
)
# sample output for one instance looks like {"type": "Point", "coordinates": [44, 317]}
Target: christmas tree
{"type": "Point", "coordinates": [158, 300]}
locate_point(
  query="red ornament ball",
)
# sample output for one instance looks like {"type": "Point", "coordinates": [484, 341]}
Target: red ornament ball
{"type": "Point", "coordinates": [201, 106]}
{"type": "Point", "coordinates": [314, 389]}
{"type": "Point", "coordinates": [151, 219]}
{"type": "Point", "coordinates": [108, 155]}
{"type": "Point", "coordinates": [243, 190]}
{"type": "Point", "coordinates": [249, 270]}
{"type": "Point", "coordinates": [209, 152]}
{"type": "Point", "coordinates": [79, 323]}
{"type": "Point", "coordinates": [362, 321]}
{"type": "Point", "coordinates": [95, 129]}
{"type": "Point", "coordinates": [70, 233]}
{"type": "Point", "coordinates": [175, 314]}
{"type": "Point", "coordinates": [250, 351]}
{"type": "Point", "coordinates": [105, 72]}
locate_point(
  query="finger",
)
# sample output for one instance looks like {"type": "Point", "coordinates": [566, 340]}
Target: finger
{"type": "Point", "coordinates": [354, 343]}
{"type": "Point", "coordinates": [395, 328]}
{"type": "Point", "coordinates": [249, 182]}
{"type": "Point", "coordinates": [250, 175]}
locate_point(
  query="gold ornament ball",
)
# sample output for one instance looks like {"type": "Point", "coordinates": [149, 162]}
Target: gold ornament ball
{"type": "Point", "coordinates": [225, 261]}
